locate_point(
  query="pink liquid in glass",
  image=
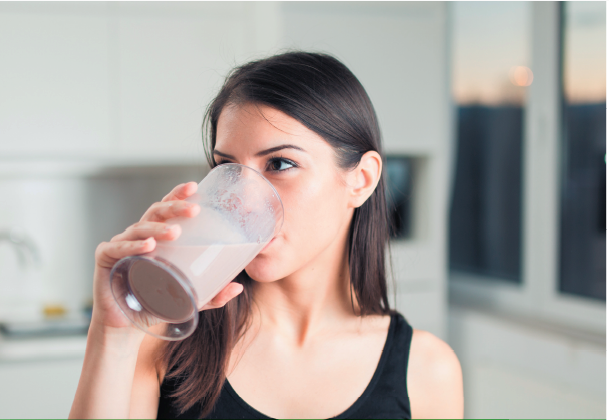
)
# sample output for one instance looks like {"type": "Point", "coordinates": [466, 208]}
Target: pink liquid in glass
{"type": "Point", "coordinates": [209, 267]}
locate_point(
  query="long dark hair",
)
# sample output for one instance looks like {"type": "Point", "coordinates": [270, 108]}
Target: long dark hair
{"type": "Point", "coordinates": [321, 93]}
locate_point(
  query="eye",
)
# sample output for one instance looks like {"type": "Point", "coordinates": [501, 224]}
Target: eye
{"type": "Point", "coordinates": [280, 164]}
{"type": "Point", "coordinates": [222, 162]}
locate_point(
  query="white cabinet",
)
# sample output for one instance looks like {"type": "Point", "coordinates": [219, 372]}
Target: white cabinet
{"type": "Point", "coordinates": [119, 82]}
{"type": "Point", "coordinates": [41, 389]}
{"type": "Point", "coordinates": [170, 61]}
{"type": "Point", "coordinates": [39, 376]}
{"type": "Point", "coordinates": [53, 80]}
{"type": "Point", "coordinates": [397, 50]}
{"type": "Point", "coordinates": [130, 81]}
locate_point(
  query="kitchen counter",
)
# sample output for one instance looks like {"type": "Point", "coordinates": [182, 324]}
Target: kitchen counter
{"type": "Point", "coordinates": [42, 348]}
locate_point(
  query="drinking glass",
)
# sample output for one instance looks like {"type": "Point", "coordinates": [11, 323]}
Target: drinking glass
{"type": "Point", "coordinates": [240, 214]}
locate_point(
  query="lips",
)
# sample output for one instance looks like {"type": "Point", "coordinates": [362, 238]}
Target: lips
{"type": "Point", "coordinates": [267, 245]}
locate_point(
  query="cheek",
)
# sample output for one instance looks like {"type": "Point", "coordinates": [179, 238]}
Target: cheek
{"type": "Point", "coordinates": [315, 212]}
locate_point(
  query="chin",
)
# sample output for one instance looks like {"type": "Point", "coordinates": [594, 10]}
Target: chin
{"type": "Point", "coordinates": [262, 270]}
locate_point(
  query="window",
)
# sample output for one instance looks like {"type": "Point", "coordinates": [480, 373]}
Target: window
{"type": "Point", "coordinates": [491, 75]}
{"type": "Point", "coordinates": [527, 220]}
{"type": "Point", "coordinates": [583, 168]}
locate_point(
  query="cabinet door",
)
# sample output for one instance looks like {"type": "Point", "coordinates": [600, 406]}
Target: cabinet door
{"type": "Point", "coordinates": [38, 389]}
{"type": "Point", "coordinates": [171, 61]}
{"type": "Point", "coordinates": [54, 97]}
{"type": "Point", "coordinates": [397, 50]}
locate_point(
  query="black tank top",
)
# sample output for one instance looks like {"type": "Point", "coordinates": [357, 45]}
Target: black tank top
{"type": "Point", "coordinates": [385, 397]}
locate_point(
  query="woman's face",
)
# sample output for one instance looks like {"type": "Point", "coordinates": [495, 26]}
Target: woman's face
{"type": "Point", "coordinates": [302, 167]}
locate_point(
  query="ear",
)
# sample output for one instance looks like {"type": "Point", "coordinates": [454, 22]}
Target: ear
{"type": "Point", "coordinates": [364, 178]}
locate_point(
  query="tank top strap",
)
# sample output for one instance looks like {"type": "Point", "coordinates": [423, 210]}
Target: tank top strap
{"type": "Point", "coordinates": [387, 395]}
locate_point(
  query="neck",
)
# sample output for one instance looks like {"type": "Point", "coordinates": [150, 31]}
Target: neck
{"type": "Point", "coordinates": [311, 300]}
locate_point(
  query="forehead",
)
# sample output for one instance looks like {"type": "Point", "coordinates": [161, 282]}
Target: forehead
{"type": "Point", "coordinates": [260, 125]}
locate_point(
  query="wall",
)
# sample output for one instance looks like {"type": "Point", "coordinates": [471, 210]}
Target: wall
{"type": "Point", "coordinates": [100, 113]}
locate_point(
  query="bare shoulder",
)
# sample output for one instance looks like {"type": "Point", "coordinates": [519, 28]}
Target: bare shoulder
{"type": "Point", "coordinates": [434, 378]}
{"type": "Point", "coordinates": [378, 324]}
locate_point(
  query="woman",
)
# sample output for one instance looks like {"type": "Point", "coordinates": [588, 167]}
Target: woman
{"type": "Point", "coordinates": [306, 330]}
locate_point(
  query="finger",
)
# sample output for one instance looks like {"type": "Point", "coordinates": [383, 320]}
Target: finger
{"type": "Point", "coordinates": [143, 230]}
{"type": "Point", "coordinates": [181, 192]}
{"type": "Point", "coordinates": [159, 212]}
{"type": "Point", "coordinates": [229, 292]}
{"type": "Point", "coordinates": [107, 253]}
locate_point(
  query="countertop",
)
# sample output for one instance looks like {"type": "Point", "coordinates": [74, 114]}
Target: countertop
{"type": "Point", "coordinates": [42, 348]}
{"type": "Point", "coordinates": [43, 339]}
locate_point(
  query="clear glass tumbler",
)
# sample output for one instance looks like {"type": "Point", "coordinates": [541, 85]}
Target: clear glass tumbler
{"type": "Point", "coordinates": [240, 214]}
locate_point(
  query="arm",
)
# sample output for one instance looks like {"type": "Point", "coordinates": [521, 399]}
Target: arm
{"type": "Point", "coordinates": [145, 392]}
{"type": "Point", "coordinates": [106, 380]}
{"type": "Point", "coordinates": [119, 377]}
{"type": "Point", "coordinates": [434, 378]}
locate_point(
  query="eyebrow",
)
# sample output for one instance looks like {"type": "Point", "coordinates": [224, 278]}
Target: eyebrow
{"type": "Point", "coordinates": [264, 152]}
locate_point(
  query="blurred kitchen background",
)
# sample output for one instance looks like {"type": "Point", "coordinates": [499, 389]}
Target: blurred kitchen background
{"type": "Point", "coordinates": [494, 124]}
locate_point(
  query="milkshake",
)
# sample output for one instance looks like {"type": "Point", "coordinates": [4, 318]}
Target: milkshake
{"type": "Point", "coordinates": [159, 292]}
{"type": "Point", "coordinates": [209, 268]}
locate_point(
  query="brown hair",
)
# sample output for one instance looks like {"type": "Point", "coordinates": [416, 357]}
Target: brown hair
{"type": "Point", "coordinates": [321, 93]}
